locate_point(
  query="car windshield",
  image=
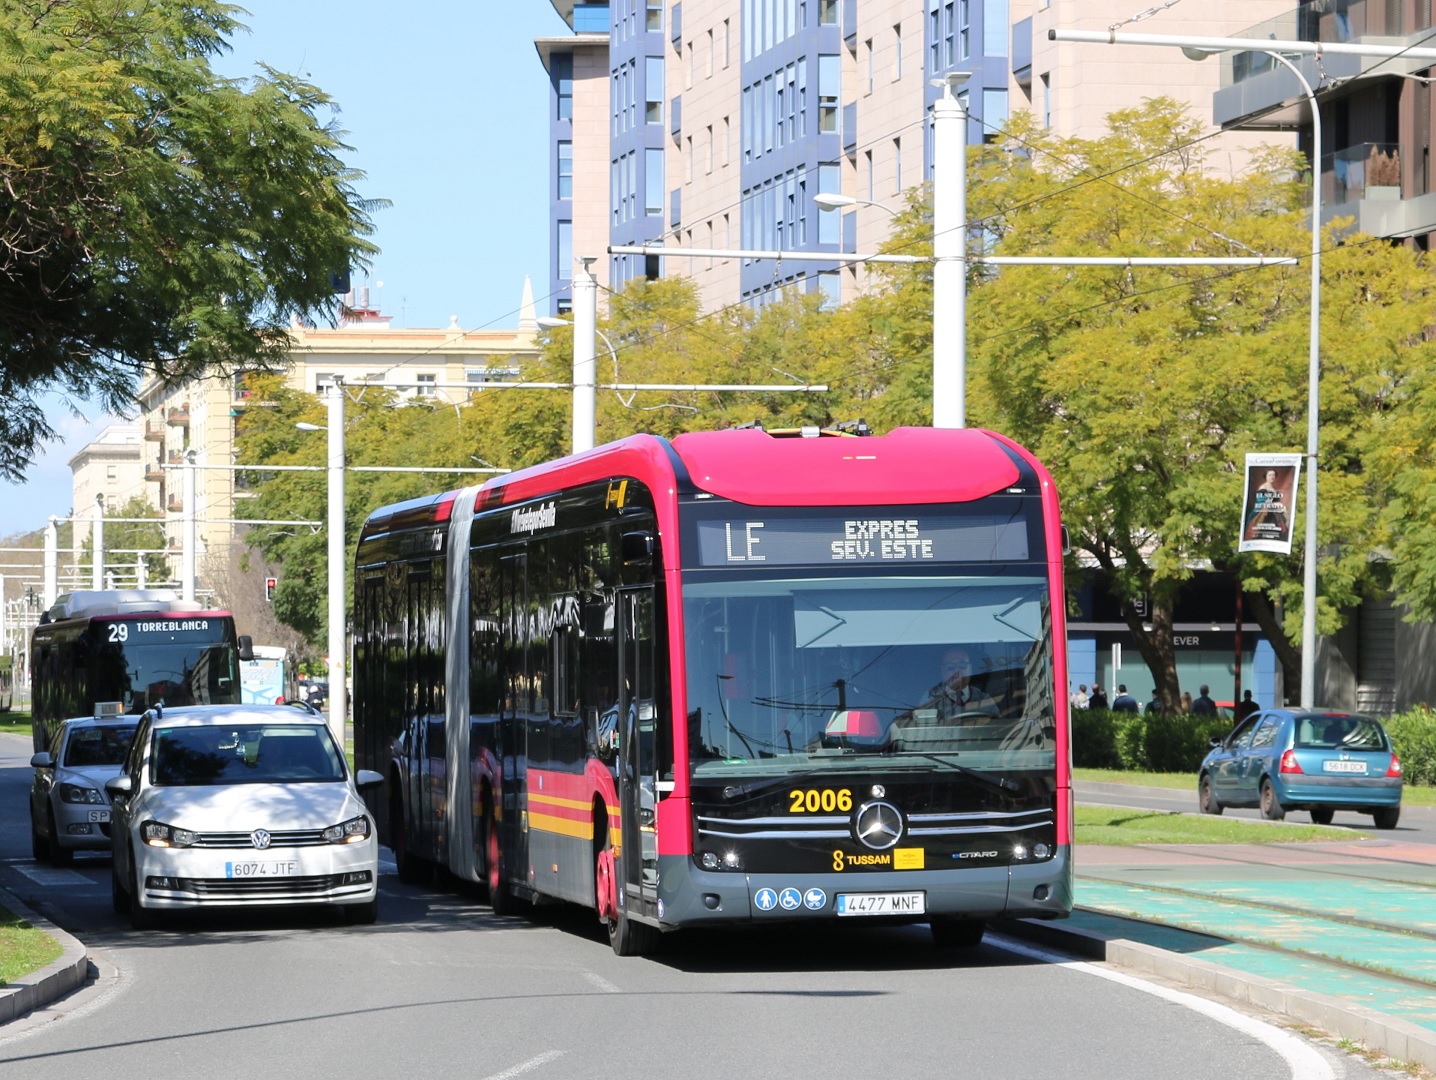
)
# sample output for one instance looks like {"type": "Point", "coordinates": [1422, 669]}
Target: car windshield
{"type": "Point", "coordinates": [245, 754]}
{"type": "Point", "coordinates": [1340, 733]}
{"type": "Point", "coordinates": [98, 746]}
{"type": "Point", "coordinates": [870, 672]}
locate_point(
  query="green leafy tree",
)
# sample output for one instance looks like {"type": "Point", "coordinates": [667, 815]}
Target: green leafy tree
{"type": "Point", "coordinates": [1143, 389]}
{"type": "Point", "coordinates": [155, 217]}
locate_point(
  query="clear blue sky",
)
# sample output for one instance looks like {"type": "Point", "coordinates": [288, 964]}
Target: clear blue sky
{"type": "Point", "coordinates": [445, 105]}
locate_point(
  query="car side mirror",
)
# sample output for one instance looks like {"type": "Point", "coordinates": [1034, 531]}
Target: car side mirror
{"type": "Point", "coordinates": [246, 647]}
{"type": "Point", "coordinates": [368, 779]}
{"type": "Point", "coordinates": [119, 787]}
{"type": "Point", "coordinates": [42, 760]}
{"type": "Point", "coordinates": [1216, 741]}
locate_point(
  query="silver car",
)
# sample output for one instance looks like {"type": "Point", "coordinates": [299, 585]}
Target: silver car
{"type": "Point", "coordinates": [240, 806]}
{"type": "Point", "coordinates": [69, 808]}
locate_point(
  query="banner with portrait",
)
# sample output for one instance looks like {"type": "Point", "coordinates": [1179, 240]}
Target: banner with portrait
{"type": "Point", "coordinates": [1269, 508]}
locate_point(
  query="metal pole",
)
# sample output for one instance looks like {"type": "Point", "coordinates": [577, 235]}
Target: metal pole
{"type": "Point", "coordinates": [1313, 400]}
{"type": "Point", "coordinates": [338, 657]}
{"type": "Point", "coordinates": [949, 251]}
{"type": "Point", "coordinates": [52, 563]}
{"type": "Point", "coordinates": [187, 548]}
{"type": "Point", "coordinates": [585, 352]}
{"type": "Point", "coordinates": [97, 546]}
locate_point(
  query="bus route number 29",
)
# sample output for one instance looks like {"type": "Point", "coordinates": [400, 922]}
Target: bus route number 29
{"type": "Point", "coordinates": [812, 800]}
{"type": "Point", "coordinates": [119, 631]}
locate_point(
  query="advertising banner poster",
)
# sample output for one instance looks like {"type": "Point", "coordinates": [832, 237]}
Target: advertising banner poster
{"type": "Point", "coordinates": [1269, 508]}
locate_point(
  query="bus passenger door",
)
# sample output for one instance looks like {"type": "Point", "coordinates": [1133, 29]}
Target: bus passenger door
{"type": "Point", "coordinates": [638, 751]}
{"type": "Point", "coordinates": [512, 746]}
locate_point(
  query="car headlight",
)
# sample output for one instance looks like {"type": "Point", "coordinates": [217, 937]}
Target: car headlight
{"type": "Point", "coordinates": [74, 793]}
{"type": "Point", "coordinates": [158, 834]}
{"type": "Point", "coordinates": [349, 832]}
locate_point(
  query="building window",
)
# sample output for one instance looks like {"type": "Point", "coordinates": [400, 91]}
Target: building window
{"type": "Point", "coordinates": [563, 257]}
{"type": "Point", "coordinates": [829, 85]}
{"type": "Point", "coordinates": [868, 49]}
{"type": "Point", "coordinates": [994, 28]}
{"type": "Point", "coordinates": [1047, 100]}
{"type": "Point", "coordinates": [868, 156]}
{"type": "Point", "coordinates": [727, 43]}
{"type": "Point", "coordinates": [476, 375]}
{"type": "Point", "coordinates": [829, 221]}
{"type": "Point", "coordinates": [830, 286]}
{"type": "Point", "coordinates": [563, 86]}
{"type": "Point", "coordinates": [111, 473]}
{"type": "Point", "coordinates": [426, 385]}
{"type": "Point", "coordinates": [712, 55]}
{"type": "Point", "coordinates": [652, 182]}
{"type": "Point", "coordinates": [653, 89]}
{"type": "Point", "coordinates": [324, 380]}
{"type": "Point", "coordinates": [565, 169]}
{"type": "Point", "coordinates": [655, 14]}
{"type": "Point", "coordinates": [994, 114]}
{"type": "Point", "coordinates": [897, 166]}
{"type": "Point", "coordinates": [827, 12]}
{"type": "Point", "coordinates": [897, 52]}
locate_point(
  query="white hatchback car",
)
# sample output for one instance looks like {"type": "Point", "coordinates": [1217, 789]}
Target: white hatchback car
{"type": "Point", "coordinates": [69, 809]}
{"type": "Point", "coordinates": [240, 806]}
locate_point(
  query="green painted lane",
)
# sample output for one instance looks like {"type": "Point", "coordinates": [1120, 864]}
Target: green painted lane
{"type": "Point", "coordinates": [1392, 997]}
{"type": "Point", "coordinates": [1407, 955]}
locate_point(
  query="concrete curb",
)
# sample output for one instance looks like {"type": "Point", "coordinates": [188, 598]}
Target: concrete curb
{"type": "Point", "coordinates": [54, 981]}
{"type": "Point", "coordinates": [1397, 1039]}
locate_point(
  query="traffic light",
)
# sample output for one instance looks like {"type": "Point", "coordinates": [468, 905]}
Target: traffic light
{"type": "Point", "coordinates": [270, 584]}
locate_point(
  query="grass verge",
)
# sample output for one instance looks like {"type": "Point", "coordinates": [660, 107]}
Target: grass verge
{"type": "Point", "coordinates": [23, 948]}
{"type": "Point", "coordinates": [1124, 828]}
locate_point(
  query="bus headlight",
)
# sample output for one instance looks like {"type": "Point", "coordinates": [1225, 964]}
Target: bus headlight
{"type": "Point", "coordinates": [158, 834]}
{"type": "Point", "coordinates": [348, 832]}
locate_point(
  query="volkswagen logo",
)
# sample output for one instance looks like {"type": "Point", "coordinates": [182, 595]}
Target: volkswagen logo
{"type": "Point", "coordinates": [878, 825]}
{"type": "Point", "coordinates": [259, 838]}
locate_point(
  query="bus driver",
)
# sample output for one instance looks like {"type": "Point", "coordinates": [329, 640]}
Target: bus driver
{"type": "Point", "coordinates": [956, 696]}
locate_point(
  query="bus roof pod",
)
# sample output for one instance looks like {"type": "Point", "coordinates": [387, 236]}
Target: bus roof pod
{"type": "Point", "coordinates": [89, 602]}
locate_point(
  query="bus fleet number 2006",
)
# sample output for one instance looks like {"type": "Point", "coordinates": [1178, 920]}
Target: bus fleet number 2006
{"type": "Point", "coordinates": [819, 800]}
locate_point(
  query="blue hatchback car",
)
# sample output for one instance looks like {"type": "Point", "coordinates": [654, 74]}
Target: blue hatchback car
{"type": "Point", "coordinates": [1318, 761]}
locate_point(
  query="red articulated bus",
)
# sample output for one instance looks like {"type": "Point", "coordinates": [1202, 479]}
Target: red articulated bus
{"type": "Point", "coordinates": [733, 678]}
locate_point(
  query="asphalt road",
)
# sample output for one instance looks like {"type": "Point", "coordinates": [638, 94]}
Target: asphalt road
{"type": "Point", "coordinates": [443, 986]}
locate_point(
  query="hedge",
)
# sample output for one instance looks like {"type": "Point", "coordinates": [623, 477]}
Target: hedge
{"type": "Point", "coordinates": [1154, 742]}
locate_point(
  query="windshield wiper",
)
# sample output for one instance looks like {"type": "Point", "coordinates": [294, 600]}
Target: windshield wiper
{"type": "Point", "coordinates": [1001, 782]}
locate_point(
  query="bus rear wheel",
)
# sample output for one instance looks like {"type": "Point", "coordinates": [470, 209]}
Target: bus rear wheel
{"type": "Point", "coordinates": [406, 864]}
{"type": "Point", "coordinates": [501, 900]}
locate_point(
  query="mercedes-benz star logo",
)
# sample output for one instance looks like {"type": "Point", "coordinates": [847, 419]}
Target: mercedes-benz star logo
{"type": "Point", "coordinates": [878, 824]}
{"type": "Point", "coordinates": [259, 838]}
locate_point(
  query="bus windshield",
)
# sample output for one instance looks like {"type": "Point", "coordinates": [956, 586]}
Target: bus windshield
{"type": "Point", "coordinates": [871, 672]}
{"type": "Point", "coordinates": [169, 673]}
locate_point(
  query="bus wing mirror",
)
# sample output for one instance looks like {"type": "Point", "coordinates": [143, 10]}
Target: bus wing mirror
{"type": "Point", "coordinates": [246, 647]}
{"type": "Point", "coordinates": [637, 547]}
{"type": "Point", "coordinates": [1066, 541]}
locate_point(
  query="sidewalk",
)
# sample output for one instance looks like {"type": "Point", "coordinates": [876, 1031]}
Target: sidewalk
{"type": "Point", "coordinates": [1338, 935]}
{"type": "Point", "coordinates": [54, 981]}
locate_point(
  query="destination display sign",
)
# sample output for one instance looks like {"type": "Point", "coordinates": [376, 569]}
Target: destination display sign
{"type": "Point", "coordinates": [850, 540]}
{"type": "Point", "coordinates": [154, 628]}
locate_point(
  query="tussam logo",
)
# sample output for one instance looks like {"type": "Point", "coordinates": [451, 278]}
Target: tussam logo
{"type": "Point", "coordinates": [529, 521]}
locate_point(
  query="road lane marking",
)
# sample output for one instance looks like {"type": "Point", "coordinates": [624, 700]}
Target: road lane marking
{"type": "Point", "coordinates": [527, 1066]}
{"type": "Point", "coordinates": [1304, 1062]}
{"type": "Point", "coordinates": [602, 983]}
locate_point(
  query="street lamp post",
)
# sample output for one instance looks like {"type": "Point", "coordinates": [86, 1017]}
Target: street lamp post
{"type": "Point", "coordinates": [949, 253]}
{"type": "Point", "coordinates": [1199, 49]}
{"type": "Point", "coordinates": [338, 652]}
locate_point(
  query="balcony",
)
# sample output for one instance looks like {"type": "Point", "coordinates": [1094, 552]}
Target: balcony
{"type": "Point", "coordinates": [178, 417]}
{"type": "Point", "coordinates": [154, 431]}
{"type": "Point", "coordinates": [175, 504]}
{"type": "Point", "coordinates": [1363, 171]}
{"type": "Point", "coordinates": [174, 457]}
{"type": "Point", "coordinates": [1336, 21]}
{"type": "Point", "coordinates": [154, 473]}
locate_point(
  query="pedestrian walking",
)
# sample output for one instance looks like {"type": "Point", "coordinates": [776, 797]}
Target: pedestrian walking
{"type": "Point", "coordinates": [1098, 700]}
{"type": "Point", "coordinates": [1245, 707]}
{"type": "Point", "coordinates": [1155, 705]}
{"type": "Point", "coordinates": [1080, 699]}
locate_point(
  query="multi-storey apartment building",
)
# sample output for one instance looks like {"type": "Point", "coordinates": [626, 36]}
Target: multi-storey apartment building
{"type": "Point", "coordinates": [444, 365]}
{"type": "Point", "coordinates": [109, 469]}
{"type": "Point", "coordinates": [712, 124]}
